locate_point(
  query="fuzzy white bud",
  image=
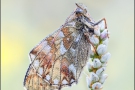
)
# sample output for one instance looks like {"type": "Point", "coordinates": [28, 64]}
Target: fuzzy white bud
{"type": "Point", "coordinates": [105, 57]}
{"type": "Point", "coordinates": [97, 86]}
{"type": "Point", "coordinates": [90, 65]}
{"type": "Point", "coordinates": [94, 39]}
{"type": "Point", "coordinates": [103, 78]}
{"type": "Point", "coordinates": [105, 42]}
{"type": "Point", "coordinates": [89, 81]}
{"type": "Point", "coordinates": [94, 77]}
{"type": "Point", "coordinates": [100, 71]}
{"type": "Point", "coordinates": [104, 34]}
{"type": "Point", "coordinates": [102, 25]}
{"type": "Point", "coordinates": [97, 30]}
{"type": "Point", "coordinates": [101, 49]}
{"type": "Point", "coordinates": [96, 63]}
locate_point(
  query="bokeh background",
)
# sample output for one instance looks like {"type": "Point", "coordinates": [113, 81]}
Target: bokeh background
{"type": "Point", "coordinates": [26, 22]}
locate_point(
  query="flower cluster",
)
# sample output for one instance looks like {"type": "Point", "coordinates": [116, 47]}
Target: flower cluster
{"type": "Point", "coordinates": [99, 57]}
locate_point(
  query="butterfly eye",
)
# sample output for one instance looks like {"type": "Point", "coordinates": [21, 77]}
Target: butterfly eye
{"type": "Point", "coordinates": [79, 11]}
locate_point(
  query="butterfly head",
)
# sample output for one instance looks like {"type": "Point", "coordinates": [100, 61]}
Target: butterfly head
{"type": "Point", "coordinates": [81, 9]}
{"type": "Point", "coordinates": [83, 21]}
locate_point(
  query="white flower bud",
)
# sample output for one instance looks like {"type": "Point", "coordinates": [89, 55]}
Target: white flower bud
{"type": "Point", "coordinates": [97, 86]}
{"type": "Point", "coordinates": [89, 81]}
{"type": "Point", "coordinates": [97, 30]}
{"type": "Point", "coordinates": [100, 71]}
{"type": "Point", "coordinates": [94, 77]}
{"type": "Point", "coordinates": [102, 25]}
{"type": "Point", "coordinates": [105, 57]}
{"type": "Point", "coordinates": [96, 63]}
{"type": "Point", "coordinates": [103, 78]}
{"type": "Point", "coordinates": [104, 34]}
{"type": "Point", "coordinates": [101, 49]}
{"type": "Point", "coordinates": [94, 39]}
{"type": "Point", "coordinates": [90, 65]}
{"type": "Point", "coordinates": [105, 42]}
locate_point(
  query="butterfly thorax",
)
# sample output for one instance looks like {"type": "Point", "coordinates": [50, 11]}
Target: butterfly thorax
{"type": "Point", "coordinates": [81, 25]}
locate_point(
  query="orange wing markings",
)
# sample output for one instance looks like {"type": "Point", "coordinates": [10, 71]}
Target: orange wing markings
{"type": "Point", "coordinates": [43, 47]}
{"type": "Point", "coordinates": [65, 31]}
{"type": "Point", "coordinates": [46, 61]}
{"type": "Point", "coordinates": [47, 52]}
{"type": "Point", "coordinates": [46, 44]}
{"type": "Point", "coordinates": [36, 50]}
{"type": "Point", "coordinates": [67, 76]}
{"type": "Point", "coordinates": [52, 67]}
{"type": "Point", "coordinates": [50, 60]}
{"type": "Point", "coordinates": [67, 41]}
{"type": "Point", "coordinates": [64, 71]}
{"type": "Point", "coordinates": [34, 82]}
{"type": "Point", "coordinates": [56, 72]}
{"type": "Point", "coordinates": [55, 77]}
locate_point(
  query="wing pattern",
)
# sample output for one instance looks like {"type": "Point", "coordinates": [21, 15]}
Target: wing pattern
{"type": "Point", "coordinates": [57, 61]}
{"type": "Point", "coordinates": [35, 82]}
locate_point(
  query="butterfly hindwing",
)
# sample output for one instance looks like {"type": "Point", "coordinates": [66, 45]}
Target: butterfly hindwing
{"type": "Point", "coordinates": [34, 82]}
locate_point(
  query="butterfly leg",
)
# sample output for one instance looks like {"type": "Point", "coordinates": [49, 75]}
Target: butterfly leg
{"type": "Point", "coordinates": [101, 21]}
{"type": "Point", "coordinates": [87, 37]}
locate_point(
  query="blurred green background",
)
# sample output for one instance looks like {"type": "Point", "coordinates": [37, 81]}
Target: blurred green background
{"type": "Point", "coordinates": [26, 22]}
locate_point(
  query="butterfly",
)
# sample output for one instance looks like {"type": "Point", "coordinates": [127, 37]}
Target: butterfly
{"type": "Point", "coordinates": [58, 60]}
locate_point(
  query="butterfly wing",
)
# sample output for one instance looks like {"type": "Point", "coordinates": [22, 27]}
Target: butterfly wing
{"type": "Point", "coordinates": [74, 60]}
{"type": "Point", "coordinates": [58, 60]}
{"type": "Point", "coordinates": [35, 82]}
